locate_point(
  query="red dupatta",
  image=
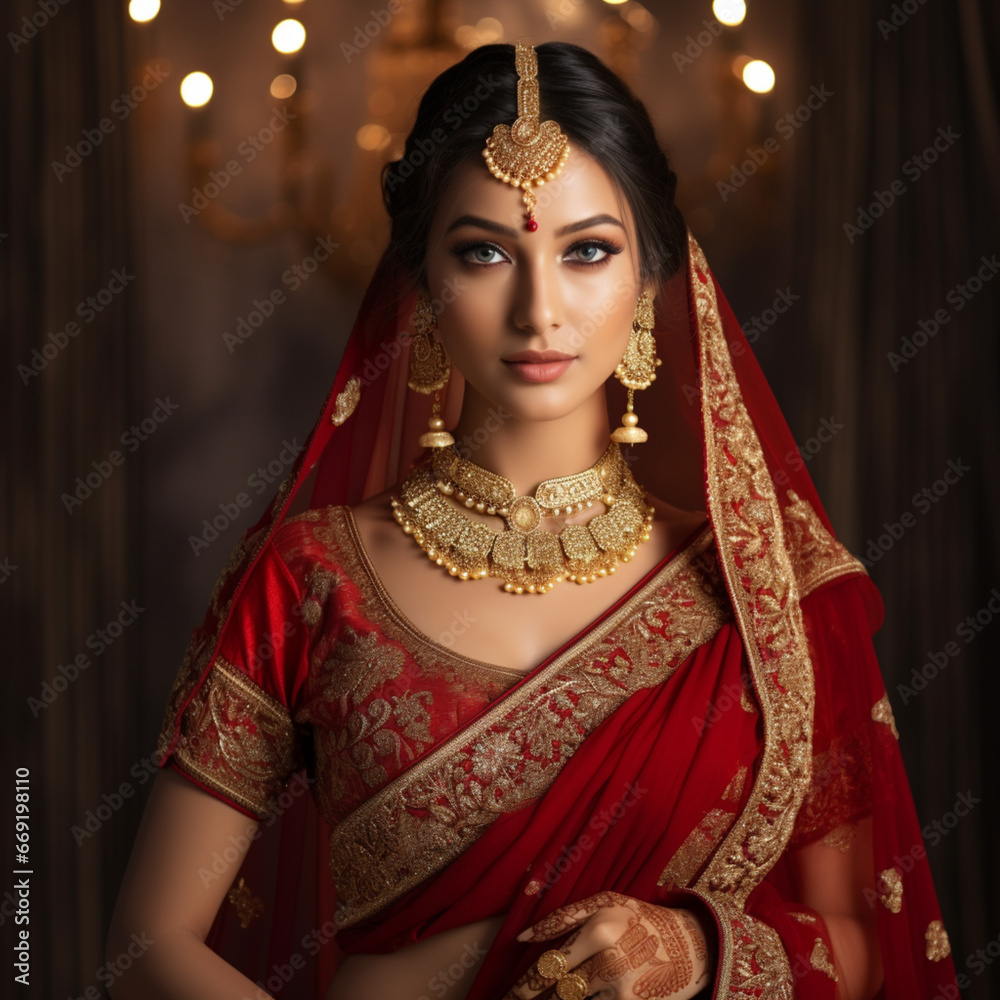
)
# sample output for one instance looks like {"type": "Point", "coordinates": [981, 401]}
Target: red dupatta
{"type": "Point", "coordinates": [743, 712]}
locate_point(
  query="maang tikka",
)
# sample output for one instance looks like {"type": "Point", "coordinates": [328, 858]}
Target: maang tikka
{"type": "Point", "coordinates": [529, 152]}
{"type": "Point", "coordinates": [430, 368]}
{"type": "Point", "coordinates": [637, 369]}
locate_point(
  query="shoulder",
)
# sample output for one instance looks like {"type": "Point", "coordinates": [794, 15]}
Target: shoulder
{"type": "Point", "coordinates": [316, 534]}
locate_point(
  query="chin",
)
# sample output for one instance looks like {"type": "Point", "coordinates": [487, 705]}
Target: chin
{"type": "Point", "coordinates": [538, 403]}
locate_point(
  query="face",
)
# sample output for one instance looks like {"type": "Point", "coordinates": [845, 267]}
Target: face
{"type": "Point", "coordinates": [569, 287]}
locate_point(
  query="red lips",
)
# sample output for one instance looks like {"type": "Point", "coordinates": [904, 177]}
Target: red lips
{"type": "Point", "coordinates": [538, 357]}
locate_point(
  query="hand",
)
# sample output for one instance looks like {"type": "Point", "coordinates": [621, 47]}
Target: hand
{"type": "Point", "coordinates": [624, 948]}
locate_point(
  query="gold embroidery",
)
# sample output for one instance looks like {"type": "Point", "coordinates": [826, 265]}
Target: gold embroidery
{"type": "Point", "coordinates": [822, 960]}
{"type": "Point", "coordinates": [346, 400]}
{"type": "Point", "coordinates": [841, 837]}
{"type": "Point", "coordinates": [420, 822]}
{"type": "Point", "coordinates": [764, 594]}
{"type": "Point", "coordinates": [204, 640]}
{"type": "Point", "coordinates": [890, 885]}
{"type": "Point", "coordinates": [437, 660]}
{"type": "Point", "coordinates": [747, 700]}
{"type": "Point", "coordinates": [882, 712]}
{"type": "Point", "coordinates": [751, 955]}
{"type": "Point", "coordinates": [840, 789]}
{"type": "Point", "coordinates": [938, 945]}
{"type": "Point", "coordinates": [238, 740]}
{"type": "Point", "coordinates": [688, 859]}
{"type": "Point", "coordinates": [817, 557]}
{"type": "Point", "coordinates": [248, 906]}
{"type": "Point", "coordinates": [803, 918]}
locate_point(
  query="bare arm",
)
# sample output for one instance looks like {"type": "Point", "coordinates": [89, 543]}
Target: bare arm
{"type": "Point", "coordinates": [164, 897]}
{"type": "Point", "coordinates": [832, 883]}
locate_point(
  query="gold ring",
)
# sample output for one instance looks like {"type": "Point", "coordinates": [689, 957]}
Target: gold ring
{"type": "Point", "coordinates": [552, 964]}
{"type": "Point", "coordinates": [572, 986]}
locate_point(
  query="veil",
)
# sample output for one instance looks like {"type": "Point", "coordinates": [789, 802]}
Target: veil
{"type": "Point", "coordinates": [717, 442]}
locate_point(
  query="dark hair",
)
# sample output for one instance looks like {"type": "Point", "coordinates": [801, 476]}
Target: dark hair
{"type": "Point", "coordinates": [592, 105]}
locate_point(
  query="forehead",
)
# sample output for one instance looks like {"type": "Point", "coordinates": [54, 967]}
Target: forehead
{"type": "Point", "coordinates": [583, 188]}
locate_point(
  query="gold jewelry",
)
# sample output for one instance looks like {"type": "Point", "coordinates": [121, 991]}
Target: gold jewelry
{"type": "Point", "coordinates": [528, 558]}
{"type": "Point", "coordinates": [572, 986]}
{"type": "Point", "coordinates": [429, 370]}
{"type": "Point", "coordinates": [552, 964]}
{"type": "Point", "coordinates": [529, 152]}
{"type": "Point", "coordinates": [490, 493]}
{"type": "Point", "coordinates": [637, 368]}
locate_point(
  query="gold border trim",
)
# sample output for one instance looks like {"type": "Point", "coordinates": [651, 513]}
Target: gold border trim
{"type": "Point", "coordinates": [597, 695]}
{"type": "Point", "coordinates": [764, 591]}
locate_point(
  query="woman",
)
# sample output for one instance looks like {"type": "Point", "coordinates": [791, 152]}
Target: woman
{"type": "Point", "coordinates": [677, 778]}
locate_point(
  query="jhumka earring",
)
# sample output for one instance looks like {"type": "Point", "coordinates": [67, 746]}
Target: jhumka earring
{"type": "Point", "coordinates": [529, 152]}
{"type": "Point", "coordinates": [637, 369]}
{"type": "Point", "coordinates": [429, 370]}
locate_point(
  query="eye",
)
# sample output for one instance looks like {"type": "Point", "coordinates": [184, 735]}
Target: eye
{"type": "Point", "coordinates": [477, 253]}
{"type": "Point", "coordinates": [607, 249]}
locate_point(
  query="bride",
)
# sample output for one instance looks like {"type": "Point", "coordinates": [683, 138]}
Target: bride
{"type": "Point", "coordinates": [580, 678]}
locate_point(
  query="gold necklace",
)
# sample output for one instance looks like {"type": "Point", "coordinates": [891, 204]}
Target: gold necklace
{"type": "Point", "coordinates": [490, 493]}
{"type": "Point", "coordinates": [528, 558]}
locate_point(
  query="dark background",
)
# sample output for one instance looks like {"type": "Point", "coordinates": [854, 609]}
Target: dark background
{"type": "Point", "coordinates": [892, 88]}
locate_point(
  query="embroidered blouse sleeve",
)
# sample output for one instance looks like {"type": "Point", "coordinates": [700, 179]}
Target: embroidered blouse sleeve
{"type": "Point", "coordinates": [238, 740]}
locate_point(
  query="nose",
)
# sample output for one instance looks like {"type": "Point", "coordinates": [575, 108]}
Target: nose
{"type": "Point", "coordinates": [539, 305]}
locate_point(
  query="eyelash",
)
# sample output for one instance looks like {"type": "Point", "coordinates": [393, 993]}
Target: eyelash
{"type": "Point", "coordinates": [610, 249]}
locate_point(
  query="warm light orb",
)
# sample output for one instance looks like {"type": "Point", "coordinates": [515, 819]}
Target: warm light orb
{"type": "Point", "coordinates": [288, 36]}
{"type": "Point", "coordinates": [758, 76]}
{"type": "Point", "coordinates": [283, 85]}
{"type": "Point", "coordinates": [489, 29]}
{"type": "Point", "coordinates": [729, 12]}
{"type": "Point", "coordinates": [143, 10]}
{"type": "Point", "coordinates": [372, 137]}
{"type": "Point", "coordinates": [196, 89]}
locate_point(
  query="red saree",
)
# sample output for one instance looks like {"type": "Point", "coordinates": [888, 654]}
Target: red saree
{"type": "Point", "coordinates": [725, 713]}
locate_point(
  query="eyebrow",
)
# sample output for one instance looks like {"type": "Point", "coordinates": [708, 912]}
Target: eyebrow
{"type": "Point", "coordinates": [477, 220]}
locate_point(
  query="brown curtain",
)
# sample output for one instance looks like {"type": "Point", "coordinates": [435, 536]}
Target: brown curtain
{"type": "Point", "coordinates": [72, 387]}
{"type": "Point", "coordinates": [897, 188]}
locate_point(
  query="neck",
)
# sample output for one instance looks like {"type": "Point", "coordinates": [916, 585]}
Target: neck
{"type": "Point", "coordinates": [530, 451]}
